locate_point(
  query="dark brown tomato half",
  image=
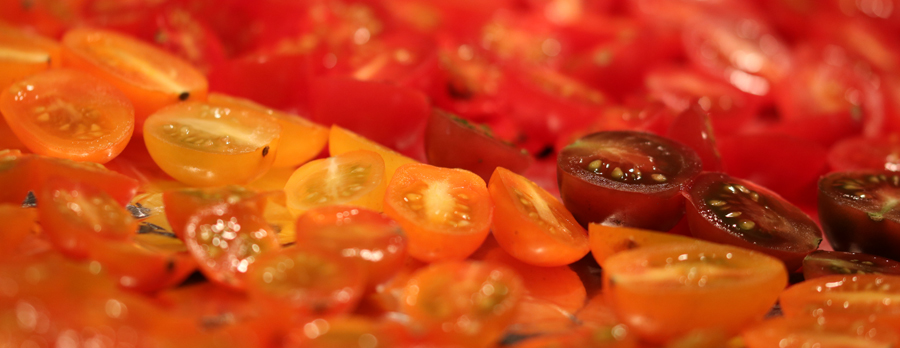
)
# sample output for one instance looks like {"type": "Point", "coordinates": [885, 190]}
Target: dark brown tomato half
{"type": "Point", "coordinates": [626, 178]}
{"type": "Point", "coordinates": [859, 212]}
{"type": "Point", "coordinates": [454, 142]}
{"type": "Point", "coordinates": [822, 263]}
{"type": "Point", "coordinates": [728, 210]}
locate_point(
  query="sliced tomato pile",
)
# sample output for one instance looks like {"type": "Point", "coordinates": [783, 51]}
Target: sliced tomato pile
{"type": "Point", "coordinates": [425, 173]}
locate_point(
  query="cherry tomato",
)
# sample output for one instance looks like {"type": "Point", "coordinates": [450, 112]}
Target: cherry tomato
{"type": "Point", "coordinates": [865, 153]}
{"type": "Point", "coordinates": [44, 169]}
{"type": "Point", "coordinates": [209, 145]}
{"type": "Point", "coordinates": [307, 283]}
{"type": "Point", "coordinates": [666, 291]}
{"type": "Point", "coordinates": [301, 140]}
{"type": "Point", "coordinates": [809, 332]}
{"type": "Point", "coordinates": [288, 90]}
{"type": "Point", "coordinates": [19, 222]}
{"type": "Point", "coordinates": [607, 241]}
{"type": "Point", "coordinates": [463, 303]}
{"type": "Point", "coordinates": [350, 331]}
{"type": "Point", "coordinates": [375, 240]}
{"type": "Point", "coordinates": [341, 140]}
{"type": "Point", "coordinates": [731, 211]}
{"type": "Point", "coordinates": [821, 263]}
{"type": "Point", "coordinates": [69, 114]}
{"type": "Point", "coordinates": [626, 178]}
{"type": "Point", "coordinates": [25, 54]}
{"type": "Point", "coordinates": [858, 214]}
{"type": "Point", "coordinates": [693, 128]}
{"type": "Point", "coordinates": [352, 178]}
{"type": "Point", "coordinates": [145, 265]}
{"type": "Point", "coordinates": [148, 76]}
{"type": "Point", "coordinates": [861, 296]}
{"type": "Point", "coordinates": [533, 226]}
{"type": "Point", "coordinates": [454, 142]}
{"type": "Point", "coordinates": [446, 213]}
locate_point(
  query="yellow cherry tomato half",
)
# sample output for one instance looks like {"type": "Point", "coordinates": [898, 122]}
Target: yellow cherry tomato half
{"type": "Point", "coordinates": [352, 178]}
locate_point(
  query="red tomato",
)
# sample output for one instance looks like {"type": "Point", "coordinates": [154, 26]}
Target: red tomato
{"type": "Point", "coordinates": [810, 332]}
{"type": "Point", "coordinates": [288, 89]}
{"type": "Point", "coordinates": [626, 178]}
{"type": "Point", "coordinates": [533, 226]}
{"type": "Point", "coordinates": [694, 129]}
{"type": "Point", "coordinates": [728, 210]}
{"type": "Point", "coordinates": [863, 153]}
{"type": "Point", "coordinates": [120, 187]}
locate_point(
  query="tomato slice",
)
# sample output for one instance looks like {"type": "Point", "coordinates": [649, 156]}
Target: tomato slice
{"type": "Point", "coordinates": [858, 211]}
{"type": "Point", "coordinates": [150, 77]}
{"type": "Point", "coordinates": [307, 283]}
{"type": "Point", "coordinates": [810, 332]}
{"type": "Point", "coordinates": [626, 178]}
{"type": "Point", "coordinates": [69, 114]}
{"type": "Point", "coordinates": [533, 226]}
{"type": "Point", "coordinates": [301, 139]}
{"type": "Point", "coordinates": [76, 217]}
{"type": "Point", "coordinates": [352, 178]}
{"type": "Point", "coordinates": [731, 211]}
{"type": "Point", "coordinates": [203, 144]}
{"type": "Point", "coordinates": [463, 303]}
{"type": "Point", "coordinates": [607, 241]}
{"type": "Point", "coordinates": [862, 296]}
{"type": "Point", "coordinates": [821, 263]}
{"type": "Point", "coordinates": [446, 213]}
{"type": "Point", "coordinates": [23, 54]}
{"type": "Point", "coordinates": [665, 291]}
{"type": "Point", "coordinates": [375, 240]}
{"type": "Point", "coordinates": [453, 142]}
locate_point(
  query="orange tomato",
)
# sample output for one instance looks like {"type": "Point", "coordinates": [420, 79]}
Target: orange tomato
{"type": "Point", "coordinates": [446, 213]}
{"type": "Point", "coordinates": [532, 225]}
{"type": "Point", "coordinates": [858, 295]}
{"type": "Point", "coordinates": [352, 178]}
{"type": "Point", "coordinates": [607, 241]}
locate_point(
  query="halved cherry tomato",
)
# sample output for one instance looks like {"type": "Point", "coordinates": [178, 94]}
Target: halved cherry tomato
{"type": "Point", "coordinates": [827, 333]}
{"type": "Point", "coordinates": [306, 283]}
{"type": "Point", "coordinates": [351, 178]}
{"type": "Point", "coordinates": [69, 114]}
{"type": "Point", "coordinates": [16, 175]}
{"type": "Point", "coordinates": [467, 304]}
{"type": "Point", "coordinates": [731, 211]}
{"type": "Point", "coordinates": [533, 226]}
{"type": "Point", "coordinates": [607, 241]}
{"type": "Point", "coordinates": [626, 178]}
{"type": "Point", "coordinates": [859, 211]}
{"type": "Point", "coordinates": [146, 264]}
{"type": "Point", "coordinates": [349, 331]}
{"type": "Point", "coordinates": [865, 153]}
{"type": "Point", "coordinates": [76, 216]}
{"type": "Point", "coordinates": [375, 240]}
{"type": "Point", "coordinates": [862, 296]}
{"type": "Point", "coordinates": [120, 187]}
{"type": "Point", "coordinates": [150, 77]}
{"type": "Point", "coordinates": [665, 291]}
{"type": "Point", "coordinates": [18, 223]}
{"type": "Point", "coordinates": [821, 263]}
{"type": "Point", "coordinates": [301, 140]}
{"type": "Point", "coordinates": [209, 145]}
{"type": "Point", "coordinates": [446, 213]}
{"type": "Point", "coordinates": [23, 54]}
{"type": "Point", "coordinates": [454, 142]}
{"type": "Point", "coordinates": [341, 140]}
{"type": "Point", "coordinates": [693, 128]}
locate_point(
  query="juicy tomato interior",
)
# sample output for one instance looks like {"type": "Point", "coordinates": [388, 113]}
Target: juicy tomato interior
{"type": "Point", "coordinates": [858, 211]}
{"type": "Point", "coordinates": [821, 263]}
{"type": "Point", "coordinates": [353, 178]}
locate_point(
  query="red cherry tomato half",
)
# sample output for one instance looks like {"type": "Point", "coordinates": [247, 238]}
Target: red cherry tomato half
{"type": "Point", "coordinates": [732, 211]}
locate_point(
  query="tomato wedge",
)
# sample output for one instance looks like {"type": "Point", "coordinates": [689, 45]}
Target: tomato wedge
{"type": "Point", "coordinates": [202, 144]}
{"type": "Point", "coordinates": [149, 76]}
{"type": "Point", "coordinates": [69, 114]}
{"type": "Point", "coordinates": [533, 226]}
{"type": "Point", "coordinates": [352, 178]}
{"type": "Point", "coordinates": [665, 291]}
{"type": "Point", "coordinates": [446, 213]}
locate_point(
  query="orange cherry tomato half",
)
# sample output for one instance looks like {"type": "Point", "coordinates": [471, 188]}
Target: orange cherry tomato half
{"type": "Point", "coordinates": [151, 77]}
{"type": "Point", "coordinates": [375, 240]}
{"type": "Point", "coordinates": [607, 241]}
{"type": "Point", "coordinates": [352, 178]}
{"type": "Point", "coordinates": [532, 225]}
{"type": "Point", "coordinates": [858, 295]}
{"type": "Point", "coordinates": [201, 144]}
{"type": "Point", "coordinates": [301, 139]}
{"type": "Point", "coordinates": [466, 304]}
{"type": "Point", "coordinates": [446, 213]}
{"type": "Point", "coordinates": [23, 54]}
{"type": "Point", "coordinates": [812, 332]}
{"type": "Point", "coordinates": [69, 114]}
{"type": "Point", "coordinates": [18, 222]}
{"type": "Point", "coordinates": [666, 291]}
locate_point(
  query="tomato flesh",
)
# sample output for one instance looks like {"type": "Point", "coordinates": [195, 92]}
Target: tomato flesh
{"type": "Point", "coordinates": [626, 178]}
{"type": "Point", "coordinates": [858, 214]}
{"type": "Point", "coordinates": [861, 296]}
{"type": "Point", "coordinates": [821, 263]}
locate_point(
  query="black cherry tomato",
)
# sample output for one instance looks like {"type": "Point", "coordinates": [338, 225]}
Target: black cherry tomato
{"type": "Point", "coordinates": [859, 211]}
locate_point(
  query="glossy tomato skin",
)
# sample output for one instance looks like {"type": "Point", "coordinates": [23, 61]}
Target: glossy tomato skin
{"type": "Point", "coordinates": [693, 127]}
{"type": "Point", "coordinates": [859, 296]}
{"type": "Point", "coordinates": [865, 153]}
{"type": "Point", "coordinates": [815, 332]}
{"type": "Point", "coordinates": [822, 263]}
{"type": "Point", "coordinates": [454, 142]}
{"type": "Point", "coordinates": [728, 210]}
{"type": "Point", "coordinates": [626, 178]}
{"type": "Point", "coordinates": [858, 213]}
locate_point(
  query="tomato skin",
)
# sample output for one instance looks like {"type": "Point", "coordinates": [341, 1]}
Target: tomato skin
{"type": "Point", "coordinates": [288, 90]}
{"type": "Point", "coordinates": [97, 131]}
{"type": "Point", "coordinates": [461, 219]}
{"type": "Point", "coordinates": [865, 153]}
{"type": "Point", "coordinates": [394, 116]}
{"type": "Point", "coordinates": [797, 235]}
{"type": "Point", "coordinates": [867, 223]}
{"type": "Point", "coordinates": [693, 128]}
{"type": "Point", "coordinates": [607, 241]}
{"type": "Point", "coordinates": [453, 142]}
{"type": "Point", "coordinates": [120, 187]}
{"type": "Point", "coordinates": [533, 226]}
{"type": "Point", "coordinates": [650, 204]}
{"type": "Point", "coordinates": [822, 263]}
